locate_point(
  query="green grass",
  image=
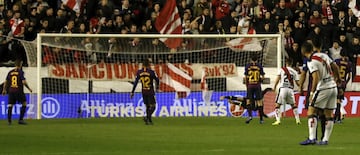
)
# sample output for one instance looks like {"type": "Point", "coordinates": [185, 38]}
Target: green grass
{"type": "Point", "coordinates": [174, 136]}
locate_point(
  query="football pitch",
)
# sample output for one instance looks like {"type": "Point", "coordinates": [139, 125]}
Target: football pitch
{"type": "Point", "coordinates": [174, 136]}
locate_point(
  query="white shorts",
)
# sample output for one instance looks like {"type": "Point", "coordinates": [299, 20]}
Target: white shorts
{"type": "Point", "coordinates": [325, 99]}
{"type": "Point", "coordinates": [285, 96]}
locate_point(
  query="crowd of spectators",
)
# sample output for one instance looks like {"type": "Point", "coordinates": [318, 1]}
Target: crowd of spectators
{"type": "Point", "coordinates": [330, 21]}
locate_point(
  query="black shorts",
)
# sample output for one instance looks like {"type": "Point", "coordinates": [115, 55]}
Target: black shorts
{"type": "Point", "coordinates": [341, 91]}
{"type": "Point", "coordinates": [254, 93]}
{"type": "Point", "coordinates": [16, 97]}
{"type": "Point", "coordinates": [149, 99]}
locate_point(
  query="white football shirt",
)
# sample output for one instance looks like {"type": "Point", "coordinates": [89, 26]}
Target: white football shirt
{"type": "Point", "coordinates": [321, 62]}
{"type": "Point", "coordinates": [284, 79]}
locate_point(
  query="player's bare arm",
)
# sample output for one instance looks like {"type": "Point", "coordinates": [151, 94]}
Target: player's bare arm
{"type": "Point", "coordinates": [277, 80]}
{"type": "Point", "coordinates": [297, 82]}
{"type": "Point", "coordinates": [302, 81]}
{"type": "Point", "coordinates": [335, 69]}
{"type": "Point", "coordinates": [4, 88]}
{"type": "Point", "coordinates": [27, 86]}
{"type": "Point", "coordinates": [315, 77]}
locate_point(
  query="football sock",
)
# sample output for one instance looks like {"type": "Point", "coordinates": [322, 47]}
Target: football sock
{"type": "Point", "coordinates": [322, 123]}
{"type": "Point", "coordinates": [337, 112]}
{"type": "Point", "coordinates": [312, 123]}
{"type": "Point", "coordinates": [249, 110]}
{"type": "Point", "coordinates": [296, 114]}
{"type": "Point", "coordinates": [277, 114]}
{"type": "Point", "coordinates": [328, 129]}
{"type": "Point", "coordinates": [9, 113]}
{"type": "Point", "coordinates": [22, 112]}
{"type": "Point", "coordinates": [261, 112]}
{"type": "Point", "coordinates": [149, 111]}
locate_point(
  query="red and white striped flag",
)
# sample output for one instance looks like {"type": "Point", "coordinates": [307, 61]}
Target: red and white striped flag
{"type": "Point", "coordinates": [245, 44]}
{"type": "Point", "coordinates": [175, 80]}
{"type": "Point", "coordinates": [76, 5]}
{"type": "Point", "coordinates": [169, 22]}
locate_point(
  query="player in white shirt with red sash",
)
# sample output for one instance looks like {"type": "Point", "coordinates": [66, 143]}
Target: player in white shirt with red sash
{"type": "Point", "coordinates": [323, 92]}
{"type": "Point", "coordinates": [287, 77]}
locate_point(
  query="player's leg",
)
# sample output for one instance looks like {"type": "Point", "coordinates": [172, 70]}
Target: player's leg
{"type": "Point", "coordinates": [11, 102]}
{"type": "Point", "coordinates": [146, 103]}
{"type": "Point", "coordinates": [330, 106]}
{"type": "Point", "coordinates": [249, 104]}
{"type": "Point", "coordinates": [9, 114]}
{"type": "Point", "coordinates": [296, 114]}
{"type": "Point", "coordinates": [322, 120]}
{"type": "Point", "coordinates": [312, 124]}
{"type": "Point", "coordinates": [260, 104]}
{"type": "Point", "coordinates": [312, 119]}
{"type": "Point", "coordinates": [151, 108]}
{"type": "Point", "coordinates": [337, 116]}
{"type": "Point", "coordinates": [278, 101]}
{"type": "Point", "coordinates": [22, 100]}
{"type": "Point", "coordinates": [277, 114]}
{"type": "Point", "coordinates": [290, 98]}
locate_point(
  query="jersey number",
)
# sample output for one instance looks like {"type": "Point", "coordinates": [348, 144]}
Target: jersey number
{"type": "Point", "coordinates": [342, 72]}
{"type": "Point", "coordinates": [286, 79]}
{"type": "Point", "coordinates": [14, 82]}
{"type": "Point", "coordinates": [145, 81]}
{"type": "Point", "coordinates": [254, 76]}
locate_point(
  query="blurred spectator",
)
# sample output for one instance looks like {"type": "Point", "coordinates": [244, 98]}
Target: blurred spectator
{"type": "Point", "coordinates": [354, 50]}
{"type": "Point", "coordinates": [357, 29]}
{"type": "Point", "coordinates": [280, 29]}
{"type": "Point", "coordinates": [326, 10]}
{"type": "Point", "coordinates": [301, 7]}
{"type": "Point", "coordinates": [200, 6]}
{"type": "Point", "coordinates": [219, 28]}
{"type": "Point", "coordinates": [51, 21]}
{"type": "Point", "coordinates": [185, 7]}
{"type": "Point", "coordinates": [344, 42]}
{"type": "Point", "coordinates": [206, 21]}
{"type": "Point", "coordinates": [245, 8]}
{"type": "Point", "coordinates": [295, 54]}
{"type": "Point", "coordinates": [315, 34]}
{"type": "Point", "coordinates": [30, 30]}
{"type": "Point", "coordinates": [221, 8]}
{"type": "Point", "coordinates": [282, 13]}
{"type": "Point", "coordinates": [2, 11]}
{"type": "Point", "coordinates": [24, 7]}
{"type": "Point", "coordinates": [69, 28]}
{"type": "Point", "coordinates": [315, 19]}
{"type": "Point", "coordinates": [315, 6]}
{"type": "Point", "coordinates": [298, 32]}
{"type": "Point", "coordinates": [106, 7]}
{"type": "Point", "coordinates": [81, 28]}
{"type": "Point", "coordinates": [230, 20]}
{"type": "Point", "coordinates": [17, 26]}
{"type": "Point", "coordinates": [303, 20]}
{"type": "Point", "coordinates": [327, 32]}
{"type": "Point", "coordinates": [288, 40]}
{"type": "Point", "coordinates": [266, 29]}
{"type": "Point", "coordinates": [118, 24]}
{"type": "Point", "coordinates": [60, 20]}
{"type": "Point", "coordinates": [340, 23]}
{"type": "Point", "coordinates": [243, 25]}
{"type": "Point", "coordinates": [351, 24]}
{"type": "Point", "coordinates": [335, 50]}
{"type": "Point", "coordinates": [260, 9]}
{"type": "Point", "coordinates": [40, 2]}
